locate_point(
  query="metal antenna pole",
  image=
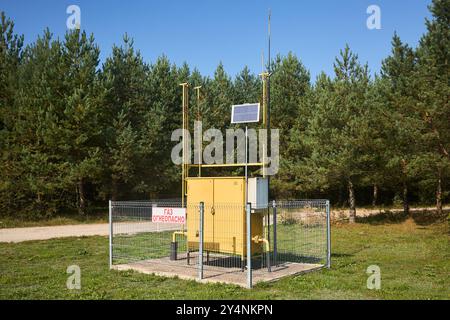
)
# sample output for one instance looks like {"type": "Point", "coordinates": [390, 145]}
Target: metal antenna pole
{"type": "Point", "coordinates": [269, 139]}
{"type": "Point", "coordinates": [262, 61]}
{"type": "Point", "coordinates": [201, 240]}
{"type": "Point", "coordinates": [328, 234]}
{"type": "Point", "coordinates": [270, 14]}
{"type": "Point", "coordinates": [246, 162]}
{"type": "Point", "coordinates": [248, 211]}
{"type": "Point", "coordinates": [268, 98]}
{"type": "Point", "coordinates": [110, 235]}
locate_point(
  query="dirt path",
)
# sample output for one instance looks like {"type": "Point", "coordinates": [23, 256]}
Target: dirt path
{"type": "Point", "coordinates": [337, 214]}
{"type": "Point", "coordinates": [80, 230]}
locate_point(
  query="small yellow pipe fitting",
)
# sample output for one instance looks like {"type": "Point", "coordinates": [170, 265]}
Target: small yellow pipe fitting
{"type": "Point", "coordinates": [181, 233]}
{"type": "Point", "coordinates": [259, 239]}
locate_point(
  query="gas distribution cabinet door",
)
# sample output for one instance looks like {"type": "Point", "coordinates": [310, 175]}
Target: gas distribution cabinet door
{"type": "Point", "coordinates": [199, 190]}
{"type": "Point", "coordinates": [229, 198]}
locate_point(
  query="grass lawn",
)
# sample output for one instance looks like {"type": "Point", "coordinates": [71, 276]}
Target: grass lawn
{"type": "Point", "coordinates": [414, 261]}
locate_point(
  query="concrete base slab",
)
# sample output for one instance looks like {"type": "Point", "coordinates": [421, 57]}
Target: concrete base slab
{"type": "Point", "coordinates": [215, 274]}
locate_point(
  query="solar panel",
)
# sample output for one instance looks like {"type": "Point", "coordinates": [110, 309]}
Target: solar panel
{"type": "Point", "coordinates": [245, 113]}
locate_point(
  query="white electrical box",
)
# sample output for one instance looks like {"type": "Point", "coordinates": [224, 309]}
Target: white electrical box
{"type": "Point", "coordinates": [258, 192]}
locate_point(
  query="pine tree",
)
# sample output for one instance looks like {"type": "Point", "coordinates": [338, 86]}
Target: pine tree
{"type": "Point", "coordinates": [124, 78]}
{"type": "Point", "coordinates": [247, 87]}
{"type": "Point", "coordinates": [40, 169]}
{"type": "Point", "coordinates": [432, 81]}
{"type": "Point", "coordinates": [10, 57]}
{"type": "Point", "coordinates": [290, 85]}
{"type": "Point", "coordinates": [219, 98]}
{"type": "Point", "coordinates": [337, 129]}
{"type": "Point", "coordinates": [81, 131]}
{"type": "Point", "coordinates": [405, 142]}
{"type": "Point", "coordinates": [123, 153]}
{"type": "Point", "coordinates": [163, 116]}
{"type": "Point", "coordinates": [379, 139]}
{"type": "Point", "coordinates": [11, 46]}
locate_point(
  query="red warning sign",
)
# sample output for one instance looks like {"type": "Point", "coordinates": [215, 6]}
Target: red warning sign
{"type": "Point", "coordinates": [169, 215]}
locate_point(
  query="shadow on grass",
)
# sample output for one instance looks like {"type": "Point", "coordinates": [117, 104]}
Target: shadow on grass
{"type": "Point", "coordinates": [428, 217]}
{"type": "Point", "coordinates": [283, 257]}
{"type": "Point", "coordinates": [341, 255]}
{"type": "Point", "coordinates": [258, 262]}
{"type": "Point", "coordinates": [422, 217]}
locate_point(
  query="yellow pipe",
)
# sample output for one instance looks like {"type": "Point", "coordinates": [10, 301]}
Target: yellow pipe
{"type": "Point", "coordinates": [258, 239]}
{"type": "Point", "coordinates": [186, 146]}
{"type": "Point", "coordinates": [181, 233]}
{"type": "Point", "coordinates": [264, 76]}
{"type": "Point", "coordinates": [227, 165]}
{"type": "Point", "coordinates": [266, 242]}
{"type": "Point", "coordinates": [199, 138]}
{"type": "Point", "coordinates": [184, 168]}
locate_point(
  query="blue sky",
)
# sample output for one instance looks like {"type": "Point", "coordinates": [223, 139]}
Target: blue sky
{"type": "Point", "coordinates": [204, 32]}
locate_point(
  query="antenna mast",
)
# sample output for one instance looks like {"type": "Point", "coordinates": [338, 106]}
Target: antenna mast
{"type": "Point", "coordinates": [265, 75]}
{"type": "Point", "coordinates": [269, 73]}
{"type": "Point", "coordinates": [268, 79]}
{"type": "Point", "coordinates": [270, 13]}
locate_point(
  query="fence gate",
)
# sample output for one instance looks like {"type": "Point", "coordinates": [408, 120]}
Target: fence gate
{"type": "Point", "coordinates": [225, 242]}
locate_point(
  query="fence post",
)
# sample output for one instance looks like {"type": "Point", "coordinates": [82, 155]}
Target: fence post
{"type": "Point", "coordinates": [200, 246]}
{"type": "Point", "coordinates": [274, 206]}
{"type": "Point", "coordinates": [328, 235]}
{"type": "Point", "coordinates": [249, 244]}
{"type": "Point", "coordinates": [110, 235]}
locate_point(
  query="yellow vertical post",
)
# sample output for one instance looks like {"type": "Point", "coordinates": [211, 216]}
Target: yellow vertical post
{"type": "Point", "coordinates": [265, 77]}
{"type": "Point", "coordinates": [199, 138]}
{"type": "Point", "coordinates": [184, 164]}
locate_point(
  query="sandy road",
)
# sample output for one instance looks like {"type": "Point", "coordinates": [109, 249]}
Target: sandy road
{"type": "Point", "coordinates": [80, 230]}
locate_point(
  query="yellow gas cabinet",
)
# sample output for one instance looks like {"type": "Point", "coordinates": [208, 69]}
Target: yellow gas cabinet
{"type": "Point", "coordinates": [224, 216]}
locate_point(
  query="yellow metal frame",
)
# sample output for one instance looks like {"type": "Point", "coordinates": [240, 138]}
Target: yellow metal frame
{"type": "Point", "coordinates": [225, 165]}
{"type": "Point", "coordinates": [265, 86]}
{"type": "Point", "coordinates": [228, 235]}
{"type": "Point", "coordinates": [199, 138]}
{"type": "Point", "coordinates": [184, 169]}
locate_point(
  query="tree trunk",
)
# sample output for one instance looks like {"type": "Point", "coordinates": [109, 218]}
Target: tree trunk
{"type": "Point", "coordinates": [351, 201]}
{"type": "Point", "coordinates": [405, 199]}
{"type": "Point", "coordinates": [404, 165]}
{"type": "Point", "coordinates": [375, 195]}
{"type": "Point", "coordinates": [115, 189]}
{"type": "Point", "coordinates": [81, 198]}
{"type": "Point", "coordinates": [439, 195]}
